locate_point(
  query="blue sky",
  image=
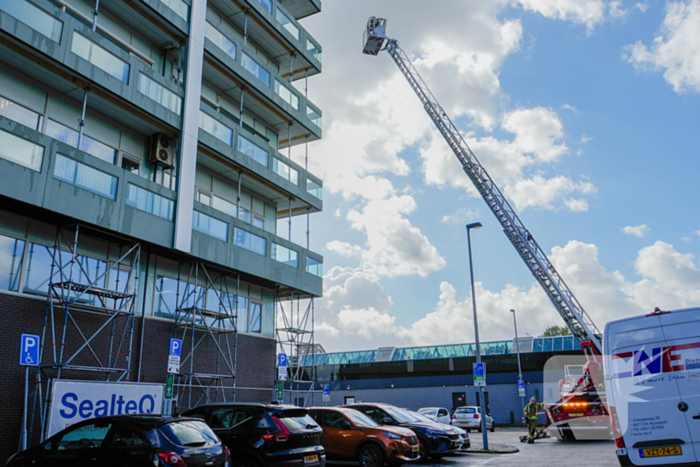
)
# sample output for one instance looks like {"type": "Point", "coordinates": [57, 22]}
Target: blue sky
{"type": "Point", "coordinates": [585, 112]}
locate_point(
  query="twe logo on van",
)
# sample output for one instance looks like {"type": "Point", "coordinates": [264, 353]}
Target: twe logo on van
{"type": "Point", "coordinates": [656, 360]}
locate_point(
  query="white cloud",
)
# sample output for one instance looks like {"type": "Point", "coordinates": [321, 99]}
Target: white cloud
{"type": "Point", "coordinates": [542, 193]}
{"type": "Point", "coordinates": [570, 107]}
{"type": "Point", "coordinates": [537, 132]}
{"type": "Point", "coordinates": [576, 205]}
{"type": "Point", "coordinates": [666, 266]}
{"type": "Point", "coordinates": [585, 139]}
{"type": "Point", "coordinates": [697, 232]}
{"type": "Point", "coordinates": [643, 7]}
{"type": "Point", "coordinates": [344, 249]}
{"type": "Point", "coordinates": [588, 12]}
{"type": "Point", "coordinates": [675, 49]}
{"type": "Point", "coordinates": [461, 215]}
{"type": "Point", "coordinates": [638, 231]}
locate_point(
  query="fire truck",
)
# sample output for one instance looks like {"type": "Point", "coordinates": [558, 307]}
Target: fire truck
{"type": "Point", "coordinates": [583, 406]}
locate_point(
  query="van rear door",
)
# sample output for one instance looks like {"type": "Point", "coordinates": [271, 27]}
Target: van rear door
{"type": "Point", "coordinates": [645, 399]}
{"type": "Point", "coordinates": [682, 364]}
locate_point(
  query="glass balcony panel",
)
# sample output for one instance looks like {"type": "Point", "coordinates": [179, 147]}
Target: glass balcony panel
{"type": "Point", "coordinates": [210, 226]}
{"type": "Point", "coordinates": [313, 116]}
{"type": "Point", "coordinates": [285, 171]}
{"type": "Point", "coordinates": [253, 151]}
{"type": "Point", "coordinates": [34, 17]}
{"type": "Point", "coordinates": [314, 188]}
{"type": "Point", "coordinates": [19, 113]}
{"type": "Point", "coordinates": [288, 96]}
{"type": "Point", "coordinates": [215, 128]}
{"type": "Point", "coordinates": [287, 24]}
{"type": "Point", "coordinates": [84, 176]}
{"type": "Point", "coordinates": [255, 69]}
{"type": "Point", "coordinates": [285, 255]}
{"type": "Point", "coordinates": [313, 49]}
{"type": "Point", "coordinates": [181, 8]}
{"type": "Point", "coordinates": [100, 57]}
{"type": "Point", "coordinates": [267, 4]}
{"type": "Point", "coordinates": [20, 151]}
{"type": "Point", "coordinates": [87, 144]}
{"type": "Point", "coordinates": [250, 241]}
{"type": "Point", "coordinates": [314, 267]}
{"type": "Point", "coordinates": [149, 202]}
{"type": "Point", "coordinates": [160, 94]}
{"type": "Point", "coordinates": [221, 41]}
{"type": "Point", "coordinates": [224, 206]}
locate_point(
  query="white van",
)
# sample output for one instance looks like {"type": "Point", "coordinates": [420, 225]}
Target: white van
{"type": "Point", "coordinates": [652, 377]}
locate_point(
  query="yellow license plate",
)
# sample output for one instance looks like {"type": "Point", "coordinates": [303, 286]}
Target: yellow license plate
{"type": "Point", "coordinates": [659, 452]}
{"type": "Point", "coordinates": [416, 448]}
{"type": "Point", "coordinates": [575, 415]}
{"type": "Point", "coordinates": [310, 459]}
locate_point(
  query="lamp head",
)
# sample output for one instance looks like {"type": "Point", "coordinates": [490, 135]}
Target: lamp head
{"type": "Point", "coordinates": [512, 310]}
{"type": "Point", "coordinates": [475, 225]}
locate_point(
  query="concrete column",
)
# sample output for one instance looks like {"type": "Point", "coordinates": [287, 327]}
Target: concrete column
{"type": "Point", "coordinates": [187, 166]}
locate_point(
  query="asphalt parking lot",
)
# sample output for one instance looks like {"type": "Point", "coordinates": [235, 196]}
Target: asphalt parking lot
{"type": "Point", "coordinates": [544, 452]}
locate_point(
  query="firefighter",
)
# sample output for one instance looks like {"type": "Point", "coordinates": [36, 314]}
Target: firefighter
{"type": "Point", "coordinates": [531, 410]}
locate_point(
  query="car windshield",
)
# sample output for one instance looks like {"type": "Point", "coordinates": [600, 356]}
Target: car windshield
{"type": "Point", "coordinates": [466, 410]}
{"type": "Point", "coordinates": [427, 411]}
{"type": "Point", "coordinates": [420, 417]}
{"type": "Point", "coordinates": [360, 419]}
{"type": "Point", "coordinates": [296, 420]}
{"type": "Point", "coordinates": [401, 416]}
{"type": "Point", "coordinates": [189, 433]}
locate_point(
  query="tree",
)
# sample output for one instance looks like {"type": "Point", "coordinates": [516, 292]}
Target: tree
{"type": "Point", "coordinates": [553, 331]}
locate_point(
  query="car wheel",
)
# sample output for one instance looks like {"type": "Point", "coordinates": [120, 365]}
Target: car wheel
{"type": "Point", "coordinates": [493, 427]}
{"type": "Point", "coordinates": [479, 429]}
{"type": "Point", "coordinates": [469, 430]}
{"type": "Point", "coordinates": [370, 456]}
{"type": "Point", "coordinates": [246, 462]}
{"type": "Point", "coordinates": [424, 451]}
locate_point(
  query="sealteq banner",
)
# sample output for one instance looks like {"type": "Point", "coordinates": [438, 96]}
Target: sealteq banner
{"type": "Point", "coordinates": [75, 401]}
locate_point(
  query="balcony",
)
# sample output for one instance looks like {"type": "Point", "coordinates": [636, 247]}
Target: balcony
{"type": "Point", "coordinates": [300, 9]}
{"type": "Point", "coordinates": [277, 32]}
{"type": "Point", "coordinates": [41, 171]}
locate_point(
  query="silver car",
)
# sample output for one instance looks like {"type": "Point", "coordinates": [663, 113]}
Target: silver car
{"type": "Point", "coordinates": [469, 418]}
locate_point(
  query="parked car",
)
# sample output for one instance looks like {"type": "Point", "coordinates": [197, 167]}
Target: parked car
{"type": "Point", "coordinates": [435, 441]}
{"type": "Point", "coordinates": [260, 435]}
{"type": "Point", "coordinates": [350, 435]}
{"type": "Point", "coordinates": [464, 441]}
{"type": "Point", "coordinates": [128, 441]}
{"type": "Point", "coordinates": [436, 414]}
{"type": "Point", "coordinates": [470, 418]}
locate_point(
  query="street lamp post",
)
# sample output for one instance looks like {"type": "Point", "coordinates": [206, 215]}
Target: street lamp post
{"type": "Point", "coordinates": [520, 369]}
{"type": "Point", "coordinates": [482, 402]}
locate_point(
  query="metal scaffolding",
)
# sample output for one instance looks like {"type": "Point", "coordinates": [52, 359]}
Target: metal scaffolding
{"type": "Point", "coordinates": [206, 315]}
{"type": "Point", "coordinates": [101, 345]}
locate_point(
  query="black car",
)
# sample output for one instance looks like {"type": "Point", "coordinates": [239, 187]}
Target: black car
{"type": "Point", "coordinates": [265, 435]}
{"type": "Point", "coordinates": [435, 442]}
{"type": "Point", "coordinates": [128, 441]}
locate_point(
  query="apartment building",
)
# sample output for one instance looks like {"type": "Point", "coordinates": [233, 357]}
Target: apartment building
{"type": "Point", "coordinates": [144, 168]}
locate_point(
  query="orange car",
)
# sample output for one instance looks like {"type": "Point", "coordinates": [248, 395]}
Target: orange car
{"type": "Point", "coordinates": [350, 435]}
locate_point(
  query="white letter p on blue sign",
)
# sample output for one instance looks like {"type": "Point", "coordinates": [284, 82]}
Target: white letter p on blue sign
{"type": "Point", "coordinates": [175, 346]}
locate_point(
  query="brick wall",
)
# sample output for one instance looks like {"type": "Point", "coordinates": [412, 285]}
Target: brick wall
{"type": "Point", "coordinates": [255, 363]}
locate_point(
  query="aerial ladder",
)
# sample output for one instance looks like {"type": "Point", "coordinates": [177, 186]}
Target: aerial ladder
{"type": "Point", "coordinates": [564, 301]}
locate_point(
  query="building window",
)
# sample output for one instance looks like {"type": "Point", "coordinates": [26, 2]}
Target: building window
{"type": "Point", "coordinates": [314, 188]}
{"type": "Point", "coordinates": [314, 267]}
{"type": "Point", "coordinates": [259, 223]}
{"type": "Point", "coordinates": [160, 94]}
{"type": "Point", "coordinates": [250, 241]}
{"type": "Point", "coordinates": [131, 165]}
{"type": "Point", "coordinates": [221, 41]}
{"type": "Point", "coordinates": [210, 226]}
{"type": "Point", "coordinates": [287, 24]}
{"type": "Point", "coordinates": [253, 151]}
{"type": "Point", "coordinates": [100, 57]}
{"type": "Point", "coordinates": [87, 144]}
{"type": "Point", "coordinates": [11, 260]}
{"type": "Point", "coordinates": [285, 255]}
{"type": "Point", "coordinates": [179, 7]}
{"type": "Point", "coordinates": [314, 49]}
{"type": "Point", "coordinates": [34, 17]}
{"type": "Point", "coordinates": [149, 202]}
{"type": "Point", "coordinates": [285, 171]}
{"type": "Point", "coordinates": [313, 116]}
{"type": "Point", "coordinates": [19, 113]}
{"type": "Point", "coordinates": [267, 4]}
{"type": "Point", "coordinates": [288, 96]}
{"type": "Point", "coordinates": [255, 317]}
{"type": "Point", "coordinates": [20, 151]}
{"type": "Point", "coordinates": [84, 176]}
{"type": "Point", "coordinates": [255, 69]}
{"type": "Point", "coordinates": [224, 206]}
{"type": "Point", "coordinates": [215, 128]}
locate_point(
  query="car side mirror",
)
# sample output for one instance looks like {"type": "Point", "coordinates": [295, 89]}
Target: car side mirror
{"type": "Point", "coordinates": [347, 424]}
{"type": "Point", "coordinates": [387, 421]}
{"type": "Point", "coordinates": [48, 446]}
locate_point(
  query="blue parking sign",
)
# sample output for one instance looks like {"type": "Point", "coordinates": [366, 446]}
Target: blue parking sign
{"type": "Point", "coordinates": [326, 389]}
{"type": "Point", "coordinates": [479, 371]}
{"type": "Point", "coordinates": [282, 360]}
{"type": "Point", "coordinates": [175, 347]}
{"type": "Point", "coordinates": [29, 350]}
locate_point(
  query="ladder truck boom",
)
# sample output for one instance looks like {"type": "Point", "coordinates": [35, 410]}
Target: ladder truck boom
{"type": "Point", "coordinates": [575, 317]}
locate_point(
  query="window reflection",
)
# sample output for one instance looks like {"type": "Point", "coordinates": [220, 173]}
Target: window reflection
{"type": "Point", "coordinates": [11, 260]}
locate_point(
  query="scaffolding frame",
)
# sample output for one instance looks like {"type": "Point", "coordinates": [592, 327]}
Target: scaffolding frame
{"type": "Point", "coordinates": [297, 340]}
{"type": "Point", "coordinates": [69, 294]}
{"type": "Point", "coordinates": [195, 319]}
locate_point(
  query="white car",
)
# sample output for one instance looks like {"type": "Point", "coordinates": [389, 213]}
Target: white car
{"type": "Point", "coordinates": [436, 414]}
{"type": "Point", "coordinates": [470, 418]}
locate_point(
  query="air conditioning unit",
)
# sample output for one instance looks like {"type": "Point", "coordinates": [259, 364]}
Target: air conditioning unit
{"type": "Point", "coordinates": [162, 148]}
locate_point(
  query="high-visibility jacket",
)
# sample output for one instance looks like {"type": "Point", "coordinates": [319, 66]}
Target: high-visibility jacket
{"type": "Point", "coordinates": [531, 410]}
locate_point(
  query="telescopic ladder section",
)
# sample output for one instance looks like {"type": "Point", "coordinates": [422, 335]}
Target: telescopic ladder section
{"type": "Point", "coordinates": [536, 260]}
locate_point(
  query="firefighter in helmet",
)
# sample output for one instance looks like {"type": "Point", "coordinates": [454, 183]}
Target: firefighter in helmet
{"type": "Point", "coordinates": [531, 410]}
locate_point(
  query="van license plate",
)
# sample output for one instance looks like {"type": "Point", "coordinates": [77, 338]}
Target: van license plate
{"type": "Point", "coordinates": [310, 459]}
{"type": "Point", "coordinates": [659, 452]}
{"type": "Point", "coordinates": [576, 415]}
{"type": "Point", "coordinates": [415, 448]}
